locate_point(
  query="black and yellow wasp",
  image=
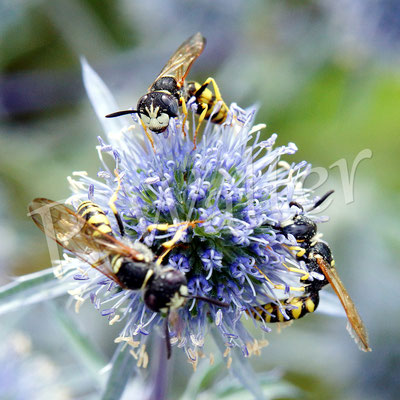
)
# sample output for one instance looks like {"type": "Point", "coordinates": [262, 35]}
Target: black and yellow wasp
{"type": "Point", "coordinates": [87, 234]}
{"type": "Point", "coordinates": [170, 91]}
{"type": "Point", "coordinates": [318, 258]}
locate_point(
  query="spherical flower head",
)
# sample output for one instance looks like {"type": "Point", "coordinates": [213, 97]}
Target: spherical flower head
{"type": "Point", "coordinates": [235, 191]}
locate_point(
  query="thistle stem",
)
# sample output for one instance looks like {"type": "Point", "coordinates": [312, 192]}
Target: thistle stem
{"type": "Point", "coordinates": [240, 368]}
{"type": "Point", "coordinates": [159, 375]}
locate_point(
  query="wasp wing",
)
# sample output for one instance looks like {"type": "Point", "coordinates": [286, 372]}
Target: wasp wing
{"type": "Point", "coordinates": [356, 326]}
{"type": "Point", "coordinates": [75, 234]}
{"type": "Point", "coordinates": [179, 64]}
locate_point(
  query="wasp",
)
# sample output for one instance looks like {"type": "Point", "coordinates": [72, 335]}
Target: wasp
{"type": "Point", "coordinates": [170, 91]}
{"type": "Point", "coordinates": [318, 258]}
{"type": "Point", "coordinates": [295, 308]}
{"type": "Point", "coordinates": [87, 234]}
{"type": "Point", "coordinates": [298, 307]}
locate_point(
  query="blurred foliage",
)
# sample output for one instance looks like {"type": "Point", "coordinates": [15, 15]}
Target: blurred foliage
{"type": "Point", "coordinates": [325, 75]}
{"type": "Point", "coordinates": [343, 111]}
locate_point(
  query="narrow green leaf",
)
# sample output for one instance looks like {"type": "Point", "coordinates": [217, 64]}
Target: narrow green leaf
{"type": "Point", "coordinates": [123, 367]}
{"type": "Point", "coordinates": [241, 369]}
{"type": "Point", "coordinates": [201, 379]}
{"type": "Point", "coordinates": [270, 383]}
{"type": "Point", "coordinates": [84, 348]}
{"type": "Point", "coordinates": [270, 390]}
{"type": "Point", "coordinates": [30, 289]}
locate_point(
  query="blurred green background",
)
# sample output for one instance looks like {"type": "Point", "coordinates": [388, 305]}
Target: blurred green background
{"type": "Point", "coordinates": [324, 74]}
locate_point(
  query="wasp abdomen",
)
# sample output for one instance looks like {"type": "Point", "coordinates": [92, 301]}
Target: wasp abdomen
{"type": "Point", "coordinates": [299, 306]}
{"type": "Point", "coordinates": [205, 96]}
{"type": "Point", "coordinates": [93, 214]}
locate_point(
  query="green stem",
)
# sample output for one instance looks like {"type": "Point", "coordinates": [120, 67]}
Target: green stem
{"type": "Point", "coordinates": [30, 289]}
{"type": "Point", "coordinates": [122, 370]}
{"type": "Point", "coordinates": [159, 376]}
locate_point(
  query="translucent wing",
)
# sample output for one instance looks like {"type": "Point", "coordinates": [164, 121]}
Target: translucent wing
{"type": "Point", "coordinates": [355, 327]}
{"type": "Point", "coordinates": [179, 64]}
{"type": "Point", "coordinates": [75, 234]}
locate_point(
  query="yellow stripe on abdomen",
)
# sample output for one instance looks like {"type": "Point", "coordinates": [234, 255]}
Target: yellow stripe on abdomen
{"type": "Point", "coordinates": [207, 97]}
{"type": "Point", "coordinates": [95, 216]}
{"type": "Point", "coordinates": [271, 312]}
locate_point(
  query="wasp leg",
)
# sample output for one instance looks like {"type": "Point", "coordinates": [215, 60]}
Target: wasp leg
{"type": "Point", "coordinates": [201, 119]}
{"type": "Point", "coordinates": [111, 204]}
{"type": "Point", "coordinates": [280, 287]}
{"type": "Point", "coordinates": [163, 227]}
{"type": "Point", "coordinates": [306, 275]}
{"type": "Point", "coordinates": [148, 136]}
{"type": "Point", "coordinates": [299, 250]}
{"type": "Point", "coordinates": [170, 244]}
{"type": "Point", "coordinates": [202, 103]}
{"type": "Point", "coordinates": [291, 288]}
{"type": "Point", "coordinates": [217, 92]}
{"type": "Point", "coordinates": [160, 258]}
{"type": "Point", "coordinates": [149, 274]}
{"type": "Point", "coordinates": [185, 113]}
{"type": "Point", "coordinates": [178, 234]}
{"type": "Point", "coordinates": [218, 97]}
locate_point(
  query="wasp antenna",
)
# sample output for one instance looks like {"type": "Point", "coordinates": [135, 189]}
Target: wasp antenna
{"type": "Point", "coordinates": [315, 205]}
{"type": "Point", "coordinates": [321, 200]}
{"type": "Point", "coordinates": [208, 300]}
{"type": "Point", "coordinates": [167, 337]}
{"type": "Point", "coordinates": [122, 112]}
{"type": "Point", "coordinates": [294, 203]}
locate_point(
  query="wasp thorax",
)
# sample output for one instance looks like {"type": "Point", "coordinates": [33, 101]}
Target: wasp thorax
{"type": "Point", "coordinates": [131, 273]}
{"type": "Point", "coordinates": [166, 290]}
{"type": "Point", "coordinates": [321, 249]}
{"type": "Point", "coordinates": [156, 108]}
{"type": "Point", "coordinates": [166, 83]}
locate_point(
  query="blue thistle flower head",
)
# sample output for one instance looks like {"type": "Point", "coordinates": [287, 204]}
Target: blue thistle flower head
{"type": "Point", "coordinates": [233, 186]}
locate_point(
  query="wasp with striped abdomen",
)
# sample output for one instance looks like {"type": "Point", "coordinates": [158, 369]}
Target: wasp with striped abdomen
{"type": "Point", "coordinates": [170, 91]}
{"type": "Point", "coordinates": [87, 233]}
{"type": "Point", "coordinates": [319, 261]}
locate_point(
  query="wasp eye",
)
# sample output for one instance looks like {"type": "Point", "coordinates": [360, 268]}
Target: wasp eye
{"type": "Point", "coordinates": [170, 105]}
{"type": "Point", "coordinates": [142, 104]}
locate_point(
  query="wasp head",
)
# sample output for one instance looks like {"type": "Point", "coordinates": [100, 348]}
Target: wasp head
{"type": "Point", "coordinates": [301, 227]}
{"type": "Point", "coordinates": [155, 109]}
{"type": "Point", "coordinates": [167, 290]}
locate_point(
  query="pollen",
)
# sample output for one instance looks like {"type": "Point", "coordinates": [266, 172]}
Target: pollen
{"type": "Point", "coordinates": [256, 346]}
{"type": "Point", "coordinates": [127, 340]}
{"type": "Point", "coordinates": [212, 358]}
{"type": "Point", "coordinates": [114, 319]}
{"type": "Point", "coordinates": [75, 292]}
{"type": "Point", "coordinates": [78, 303]}
{"type": "Point", "coordinates": [197, 342]}
{"type": "Point", "coordinates": [143, 357]}
{"type": "Point", "coordinates": [227, 352]}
